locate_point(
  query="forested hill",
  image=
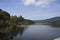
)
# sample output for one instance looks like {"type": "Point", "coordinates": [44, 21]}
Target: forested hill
{"type": "Point", "coordinates": [54, 21]}
{"type": "Point", "coordinates": [8, 21]}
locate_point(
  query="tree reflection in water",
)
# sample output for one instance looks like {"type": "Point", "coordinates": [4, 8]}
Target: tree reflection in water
{"type": "Point", "coordinates": [12, 34]}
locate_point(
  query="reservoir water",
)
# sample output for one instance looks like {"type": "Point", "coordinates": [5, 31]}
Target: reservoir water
{"type": "Point", "coordinates": [38, 32]}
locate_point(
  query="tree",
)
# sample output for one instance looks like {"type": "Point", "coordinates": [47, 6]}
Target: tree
{"type": "Point", "coordinates": [20, 19]}
{"type": "Point", "coordinates": [4, 15]}
{"type": "Point", "coordinates": [4, 18]}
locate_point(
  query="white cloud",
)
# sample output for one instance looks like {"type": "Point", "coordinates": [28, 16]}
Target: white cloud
{"type": "Point", "coordinates": [42, 3]}
{"type": "Point", "coordinates": [28, 2]}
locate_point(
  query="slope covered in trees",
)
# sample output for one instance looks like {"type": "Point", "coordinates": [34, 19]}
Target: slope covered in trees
{"type": "Point", "coordinates": [52, 21]}
{"type": "Point", "coordinates": [8, 22]}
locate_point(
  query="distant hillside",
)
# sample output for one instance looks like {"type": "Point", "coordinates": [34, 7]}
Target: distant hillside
{"type": "Point", "coordinates": [54, 20]}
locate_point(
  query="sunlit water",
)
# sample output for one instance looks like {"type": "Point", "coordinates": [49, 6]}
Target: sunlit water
{"type": "Point", "coordinates": [39, 32]}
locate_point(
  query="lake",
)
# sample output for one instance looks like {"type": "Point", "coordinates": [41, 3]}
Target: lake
{"type": "Point", "coordinates": [38, 32]}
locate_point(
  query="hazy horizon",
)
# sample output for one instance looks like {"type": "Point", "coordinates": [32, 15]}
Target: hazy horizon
{"type": "Point", "coordinates": [32, 9]}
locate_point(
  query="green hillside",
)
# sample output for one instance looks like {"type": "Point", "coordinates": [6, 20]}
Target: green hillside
{"type": "Point", "coordinates": [8, 22]}
{"type": "Point", "coordinates": [52, 21]}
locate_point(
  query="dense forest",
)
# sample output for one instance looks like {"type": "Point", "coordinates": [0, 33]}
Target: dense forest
{"type": "Point", "coordinates": [8, 22]}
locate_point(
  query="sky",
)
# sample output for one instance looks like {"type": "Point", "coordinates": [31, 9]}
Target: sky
{"type": "Point", "coordinates": [32, 9]}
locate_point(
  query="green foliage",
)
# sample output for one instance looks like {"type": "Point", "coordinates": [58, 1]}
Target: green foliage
{"type": "Point", "coordinates": [56, 23]}
{"type": "Point", "coordinates": [4, 18]}
{"type": "Point", "coordinates": [20, 19]}
{"type": "Point", "coordinates": [7, 21]}
{"type": "Point", "coordinates": [4, 15]}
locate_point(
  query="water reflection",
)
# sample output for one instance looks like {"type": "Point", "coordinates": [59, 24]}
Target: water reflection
{"type": "Point", "coordinates": [12, 34]}
{"type": "Point", "coordinates": [41, 32]}
{"type": "Point", "coordinates": [32, 32]}
{"type": "Point", "coordinates": [55, 26]}
{"type": "Point", "coordinates": [3, 36]}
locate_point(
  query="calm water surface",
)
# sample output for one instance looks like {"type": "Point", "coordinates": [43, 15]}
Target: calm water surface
{"type": "Point", "coordinates": [39, 32]}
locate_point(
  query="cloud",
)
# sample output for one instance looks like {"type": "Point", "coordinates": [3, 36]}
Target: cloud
{"type": "Point", "coordinates": [42, 3]}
